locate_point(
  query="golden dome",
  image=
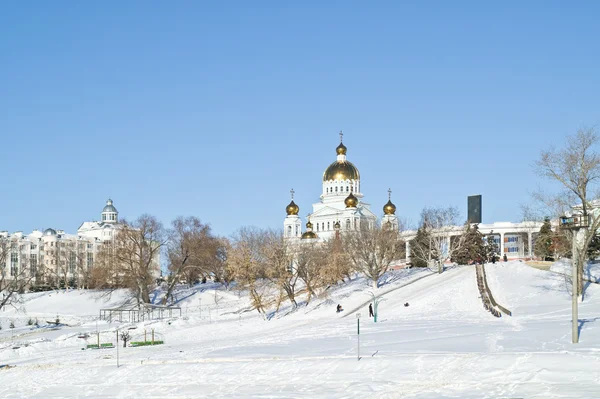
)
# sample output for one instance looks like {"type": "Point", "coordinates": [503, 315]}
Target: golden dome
{"type": "Point", "coordinates": [341, 170]}
{"type": "Point", "coordinates": [337, 225]}
{"type": "Point", "coordinates": [308, 234]}
{"type": "Point", "coordinates": [292, 208]}
{"type": "Point", "coordinates": [351, 201]}
{"type": "Point", "coordinates": [341, 149]}
{"type": "Point", "coordinates": [389, 208]}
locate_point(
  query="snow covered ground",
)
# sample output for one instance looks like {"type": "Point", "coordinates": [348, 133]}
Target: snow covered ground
{"type": "Point", "coordinates": [443, 345]}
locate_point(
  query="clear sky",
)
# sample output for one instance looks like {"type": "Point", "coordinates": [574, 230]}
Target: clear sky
{"type": "Point", "coordinates": [218, 109]}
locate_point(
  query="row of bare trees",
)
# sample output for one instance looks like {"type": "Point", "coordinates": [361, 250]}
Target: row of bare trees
{"type": "Point", "coordinates": [272, 269]}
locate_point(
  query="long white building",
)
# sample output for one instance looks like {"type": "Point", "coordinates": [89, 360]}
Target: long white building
{"type": "Point", "coordinates": [50, 254]}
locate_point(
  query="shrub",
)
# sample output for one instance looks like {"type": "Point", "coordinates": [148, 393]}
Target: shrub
{"type": "Point", "coordinates": [12, 324]}
{"type": "Point", "coordinates": [30, 322]}
{"type": "Point", "coordinates": [146, 343]}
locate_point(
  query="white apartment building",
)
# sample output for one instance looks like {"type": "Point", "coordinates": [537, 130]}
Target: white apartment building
{"type": "Point", "coordinates": [53, 253]}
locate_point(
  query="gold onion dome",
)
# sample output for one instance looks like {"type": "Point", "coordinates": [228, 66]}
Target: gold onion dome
{"type": "Point", "coordinates": [341, 149]}
{"type": "Point", "coordinates": [351, 201]}
{"type": "Point", "coordinates": [389, 208]}
{"type": "Point", "coordinates": [309, 233]}
{"type": "Point", "coordinates": [341, 170]}
{"type": "Point", "coordinates": [292, 208]}
{"type": "Point", "coordinates": [337, 225]}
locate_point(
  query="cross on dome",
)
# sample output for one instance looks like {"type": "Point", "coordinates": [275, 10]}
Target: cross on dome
{"type": "Point", "coordinates": [389, 193]}
{"type": "Point", "coordinates": [341, 136]}
{"type": "Point", "coordinates": [292, 192]}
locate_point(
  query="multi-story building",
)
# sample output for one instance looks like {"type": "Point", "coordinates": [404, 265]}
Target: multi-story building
{"type": "Point", "coordinates": [53, 255]}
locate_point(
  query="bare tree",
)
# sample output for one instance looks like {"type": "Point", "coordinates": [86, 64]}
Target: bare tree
{"type": "Point", "coordinates": [337, 265]}
{"type": "Point", "coordinates": [191, 247]}
{"type": "Point", "coordinates": [247, 265]}
{"type": "Point", "coordinates": [372, 250]}
{"type": "Point", "coordinates": [279, 265]}
{"type": "Point", "coordinates": [135, 252]}
{"type": "Point", "coordinates": [576, 169]}
{"type": "Point", "coordinates": [440, 228]}
{"type": "Point", "coordinates": [310, 258]}
{"type": "Point", "coordinates": [14, 280]}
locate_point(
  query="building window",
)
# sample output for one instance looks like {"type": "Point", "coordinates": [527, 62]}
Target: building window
{"type": "Point", "coordinates": [336, 189]}
{"type": "Point", "coordinates": [33, 247]}
{"type": "Point", "coordinates": [323, 226]}
{"type": "Point", "coordinates": [347, 188]}
{"type": "Point", "coordinates": [317, 226]}
{"type": "Point", "coordinates": [32, 264]}
{"type": "Point", "coordinates": [328, 226]}
{"type": "Point", "coordinates": [90, 246]}
{"type": "Point", "coordinates": [289, 231]}
{"type": "Point", "coordinates": [347, 224]}
{"type": "Point", "coordinates": [90, 260]}
{"type": "Point", "coordinates": [14, 263]}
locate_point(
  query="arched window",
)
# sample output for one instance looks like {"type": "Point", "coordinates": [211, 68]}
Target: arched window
{"type": "Point", "coordinates": [328, 226]}
{"type": "Point", "coordinates": [336, 189]}
{"type": "Point", "coordinates": [347, 224]}
{"type": "Point", "coordinates": [347, 188]}
{"type": "Point", "coordinates": [317, 226]}
{"type": "Point", "coordinates": [289, 231]}
{"type": "Point", "coordinates": [103, 218]}
{"type": "Point", "coordinates": [323, 226]}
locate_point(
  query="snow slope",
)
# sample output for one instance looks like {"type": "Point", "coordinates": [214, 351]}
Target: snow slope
{"type": "Point", "coordinates": [443, 345]}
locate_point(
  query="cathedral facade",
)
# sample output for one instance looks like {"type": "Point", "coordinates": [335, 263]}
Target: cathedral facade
{"type": "Point", "coordinates": [340, 208]}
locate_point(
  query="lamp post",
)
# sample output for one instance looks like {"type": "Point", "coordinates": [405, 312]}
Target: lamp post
{"type": "Point", "coordinates": [578, 224]}
{"type": "Point", "coordinates": [375, 301]}
{"type": "Point", "coordinates": [358, 336]}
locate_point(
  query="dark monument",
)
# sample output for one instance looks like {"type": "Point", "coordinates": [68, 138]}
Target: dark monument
{"type": "Point", "coordinates": [474, 209]}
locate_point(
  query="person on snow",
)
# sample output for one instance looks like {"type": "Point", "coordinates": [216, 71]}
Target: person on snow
{"type": "Point", "coordinates": [339, 308]}
{"type": "Point", "coordinates": [370, 310]}
{"type": "Point", "coordinates": [505, 258]}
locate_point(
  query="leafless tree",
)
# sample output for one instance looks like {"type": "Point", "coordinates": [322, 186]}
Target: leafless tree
{"type": "Point", "coordinates": [439, 225]}
{"type": "Point", "coordinates": [576, 169]}
{"type": "Point", "coordinates": [18, 277]}
{"type": "Point", "coordinates": [337, 266]}
{"type": "Point", "coordinates": [279, 265]}
{"type": "Point", "coordinates": [133, 255]}
{"type": "Point", "coordinates": [309, 261]}
{"type": "Point", "coordinates": [372, 250]}
{"type": "Point", "coordinates": [191, 247]}
{"type": "Point", "coordinates": [248, 266]}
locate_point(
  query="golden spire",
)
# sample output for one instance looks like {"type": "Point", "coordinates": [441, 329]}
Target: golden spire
{"type": "Point", "coordinates": [341, 149]}
{"type": "Point", "coordinates": [389, 208]}
{"type": "Point", "coordinates": [309, 233]}
{"type": "Point", "coordinates": [292, 208]}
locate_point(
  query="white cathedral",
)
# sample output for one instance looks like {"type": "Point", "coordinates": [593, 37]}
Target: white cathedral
{"type": "Point", "coordinates": [340, 208]}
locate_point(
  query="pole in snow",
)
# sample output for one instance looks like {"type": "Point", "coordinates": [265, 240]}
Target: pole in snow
{"type": "Point", "coordinates": [358, 335]}
{"type": "Point", "coordinates": [117, 348]}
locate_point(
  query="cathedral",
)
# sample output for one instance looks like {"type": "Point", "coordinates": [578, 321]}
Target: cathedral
{"type": "Point", "coordinates": [341, 206]}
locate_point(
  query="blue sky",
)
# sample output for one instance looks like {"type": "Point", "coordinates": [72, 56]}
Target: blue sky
{"type": "Point", "coordinates": [218, 109]}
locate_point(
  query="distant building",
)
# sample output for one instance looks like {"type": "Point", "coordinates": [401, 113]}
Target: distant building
{"type": "Point", "coordinates": [341, 206]}
{"type": "Point", "coordinates": [515, 240]}
{"type": "Point", "coordinates": [47, 256]}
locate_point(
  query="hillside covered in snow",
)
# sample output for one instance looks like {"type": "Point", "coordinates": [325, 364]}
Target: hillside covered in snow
{"type": "Point", "coordinates": [443, 344]}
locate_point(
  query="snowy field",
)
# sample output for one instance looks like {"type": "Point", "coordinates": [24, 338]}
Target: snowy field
{"type": "Point", "coordinates": [443, 345]}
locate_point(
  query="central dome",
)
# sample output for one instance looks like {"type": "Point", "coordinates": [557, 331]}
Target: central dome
{"type": "Point", "coordinates": [341, 170]}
